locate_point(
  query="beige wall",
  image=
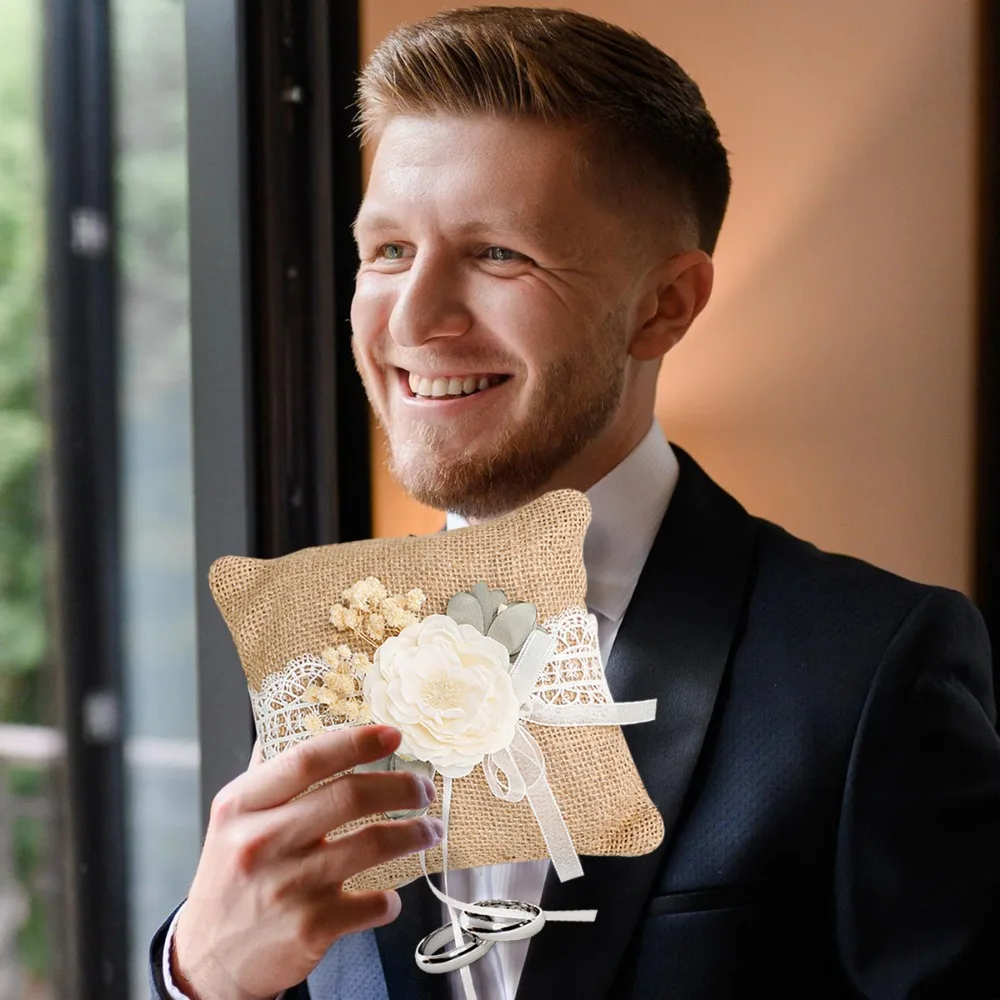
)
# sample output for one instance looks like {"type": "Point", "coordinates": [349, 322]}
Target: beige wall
{"type": "Point", "coordinates": [829, 385]}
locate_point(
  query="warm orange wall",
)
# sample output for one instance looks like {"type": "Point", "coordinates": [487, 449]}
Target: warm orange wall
{"type": "Point", "coordinates": [829, 385]}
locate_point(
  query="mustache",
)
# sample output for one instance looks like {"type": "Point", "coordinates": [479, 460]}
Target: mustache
{"type": "Point", "coordinates": [443, 360]}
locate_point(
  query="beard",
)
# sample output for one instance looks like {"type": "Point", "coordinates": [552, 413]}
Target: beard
{"type": "Point", "coordinates": [576, 397]}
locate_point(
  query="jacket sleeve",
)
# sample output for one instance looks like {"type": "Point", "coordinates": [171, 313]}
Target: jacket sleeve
{"type": "Point", "coordinates": [157, 986]}
{"type": "Point", "coordinates": [917, 880]}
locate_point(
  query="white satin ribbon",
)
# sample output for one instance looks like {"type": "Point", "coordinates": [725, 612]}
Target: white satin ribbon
{"type": "Point", "coordinates": [456, 905]}
{"type": "Point", "coordinates": [518, 772]}
{"type": "Point", "coordinates": [625, 713]}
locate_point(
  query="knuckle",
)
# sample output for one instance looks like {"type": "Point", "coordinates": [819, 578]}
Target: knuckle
{"type": "Point", "coordinates": [246, 852]}
{"type": "Point", "coordinates": [244, 846]}
{"type": "Point", "coordinates": [375, 840]}
{"type": "Point", "coordinates": [225, 805]}
{"type": "Point", "coordinates": [341, 799]}
{"type": "Point", "coordinates": [300, 763]}
{"type": "Point", "coordinates": [361, 741]}
{"type": "Point", "coordinates": [416, 793]}
{"type": "Point", "coordinates": [388, 839]}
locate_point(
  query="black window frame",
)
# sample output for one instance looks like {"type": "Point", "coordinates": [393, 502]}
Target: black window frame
{"type": "Point", "coordinates": [84, 521]}
{"type": "Point", "coordinates": [987, 523]}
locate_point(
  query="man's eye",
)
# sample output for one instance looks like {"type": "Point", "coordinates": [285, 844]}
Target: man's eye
{"type": "Point", "coordinates": [390, 251]}
{"type": "Point", "coordinates": [501, 255]}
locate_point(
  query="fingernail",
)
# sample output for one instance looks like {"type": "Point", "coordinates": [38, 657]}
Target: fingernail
{"type": "Point", "coordinates": [430, 792]}
{"type": "Point", "coordinates": [434, 827]}
{"type": "Point", "coordinates": [388, 737]}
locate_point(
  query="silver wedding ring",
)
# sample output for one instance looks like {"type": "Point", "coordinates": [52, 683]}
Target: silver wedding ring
{"type": "Point", "coordinates": [431, 958]}
{"type": "Point", "coordinates": [526, 920]}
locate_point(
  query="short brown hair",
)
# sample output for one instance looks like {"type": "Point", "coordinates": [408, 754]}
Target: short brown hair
{"type": "Point", "coordinates": [563, 68]}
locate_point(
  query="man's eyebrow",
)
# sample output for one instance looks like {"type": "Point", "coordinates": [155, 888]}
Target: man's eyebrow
{"type": "Point", "coordinates": [369, 221]}
{"type": "Point", "coordinates": [510, 226]}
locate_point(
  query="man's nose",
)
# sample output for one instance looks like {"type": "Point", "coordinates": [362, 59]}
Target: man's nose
{"type": "Point", "coordinates": [429, 307]}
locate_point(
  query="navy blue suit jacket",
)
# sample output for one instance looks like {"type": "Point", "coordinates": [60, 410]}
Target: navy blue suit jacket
{"type": "Point", "coordinates": [826, 760]}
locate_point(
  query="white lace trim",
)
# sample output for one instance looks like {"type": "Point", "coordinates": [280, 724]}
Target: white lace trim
{"type": "Point", "coordinates": [572, 675]}
{"type": "Point", "coordinates": [281, 708]}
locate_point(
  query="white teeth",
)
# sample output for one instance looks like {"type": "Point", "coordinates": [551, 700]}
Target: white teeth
{"type": "Point", "coordinates": [440, 387]}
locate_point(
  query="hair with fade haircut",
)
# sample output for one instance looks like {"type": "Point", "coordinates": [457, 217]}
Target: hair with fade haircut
{"type": "Point", "coordinates": [644, 123]}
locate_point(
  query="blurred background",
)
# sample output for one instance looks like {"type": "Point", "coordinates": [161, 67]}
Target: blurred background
{"type": "Point", "coordinates": [177, 184]}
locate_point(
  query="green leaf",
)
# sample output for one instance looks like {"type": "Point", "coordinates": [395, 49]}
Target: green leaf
{"type": "Point", "coordinates": [466, 610]}
{"type": "Point", "coordinates": [513, 626]}
{"type": "Point", "coordinates": [482, 594]}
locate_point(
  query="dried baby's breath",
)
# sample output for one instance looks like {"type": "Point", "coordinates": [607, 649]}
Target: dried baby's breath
{"type": "Point", "coordinates": [372, 614]}
{"type": "Point", "coordinates": [376, 626]}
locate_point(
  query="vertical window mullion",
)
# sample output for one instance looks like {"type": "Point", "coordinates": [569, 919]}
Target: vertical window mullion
{"type": "Point", "coordinates": [84, 421]}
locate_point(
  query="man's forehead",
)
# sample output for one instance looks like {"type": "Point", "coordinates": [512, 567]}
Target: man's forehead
{"type": "Point", "coordinates": [445, 156]}
{"type": "Point", "coordinates": [469, 176]}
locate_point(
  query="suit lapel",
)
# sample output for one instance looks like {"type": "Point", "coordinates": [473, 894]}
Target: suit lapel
{"type": "Point", "coordinates": [397, 942]}
{"type": "Point", "coordinates": [673, 644]}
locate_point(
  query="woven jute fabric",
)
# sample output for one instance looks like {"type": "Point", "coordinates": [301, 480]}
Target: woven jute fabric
{"type": "Point", "coordinates": [279, 609]}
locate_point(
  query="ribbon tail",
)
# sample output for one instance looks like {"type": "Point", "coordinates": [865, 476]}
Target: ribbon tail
{"type": "Point", "coordinates": [616, 713]}
{"type": "Point", "coordinates": [467, 984]}
{"type": "Point", "coordinates": [554, 831]}
{"type": "Point", "coordinates": [543, 804]}
{"type": "Point", "coordinates": [464, 974]}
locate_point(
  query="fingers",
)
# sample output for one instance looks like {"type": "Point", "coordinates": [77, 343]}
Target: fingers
{"type": "Point", "coordinates": [377, 843]}
{"type": "Point", "coordinates": [280, 779]}
{"type": "Point", "coordinates": [360, 911]}
{"type": "Point", "coordinates": [351, 797]}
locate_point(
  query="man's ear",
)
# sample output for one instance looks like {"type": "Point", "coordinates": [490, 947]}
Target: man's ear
{"type": "Point", "coordinates": [675, 293]}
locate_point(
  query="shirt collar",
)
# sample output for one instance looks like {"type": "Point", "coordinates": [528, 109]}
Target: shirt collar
{"type": "Point", "coordinates": [627, 506]}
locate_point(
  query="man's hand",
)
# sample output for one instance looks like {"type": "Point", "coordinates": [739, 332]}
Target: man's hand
{"type": "Point", "coordinates": [267, 900]}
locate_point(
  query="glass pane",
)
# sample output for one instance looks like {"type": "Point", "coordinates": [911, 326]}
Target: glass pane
{"type": "Point", "coordinates": [30, 748]}
{"type": "Point", "coordinates": [157, 509]}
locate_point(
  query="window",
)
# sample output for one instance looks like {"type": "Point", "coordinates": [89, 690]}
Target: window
{"type": "Point", "coordinates": [163, 832]}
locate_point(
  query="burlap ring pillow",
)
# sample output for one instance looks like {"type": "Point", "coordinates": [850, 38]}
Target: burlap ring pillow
{"type": "Point", "coordinates": [315, 634]}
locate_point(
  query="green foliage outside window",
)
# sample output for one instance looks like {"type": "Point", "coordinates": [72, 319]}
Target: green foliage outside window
{"type": "Point", "coordinates": [23, 638]}
{"type": "Point", "coordinates": [23, 644]}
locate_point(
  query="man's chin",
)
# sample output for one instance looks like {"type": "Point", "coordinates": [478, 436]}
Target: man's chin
{"type": "Point", "coordinates": [469, 488]}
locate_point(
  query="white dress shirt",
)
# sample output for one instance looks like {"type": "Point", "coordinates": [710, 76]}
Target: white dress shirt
{"type": "Point", "coordinates": [628, 505]}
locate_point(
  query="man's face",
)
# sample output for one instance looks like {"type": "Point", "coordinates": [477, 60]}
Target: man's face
{"type": "Point", "coordinates": [489, 314]}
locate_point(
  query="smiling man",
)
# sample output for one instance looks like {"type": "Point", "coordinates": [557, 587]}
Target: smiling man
{"type": "Point", "coordinates": [545, 197]}
{"type": "Point", "coordinates": [509, 317]}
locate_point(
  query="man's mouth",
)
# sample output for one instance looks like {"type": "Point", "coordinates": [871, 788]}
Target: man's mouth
{"type": "Point", "coordinates": [446, 386]}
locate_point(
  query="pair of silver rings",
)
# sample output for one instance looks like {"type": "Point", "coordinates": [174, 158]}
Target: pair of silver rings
{"type": "Point", "coordinates": [479, 934]}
